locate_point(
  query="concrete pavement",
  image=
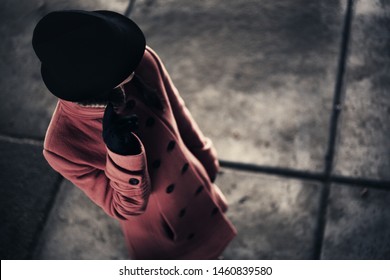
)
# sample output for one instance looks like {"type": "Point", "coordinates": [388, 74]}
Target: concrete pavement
{"type": "Point", "coordinates": [260, 79]}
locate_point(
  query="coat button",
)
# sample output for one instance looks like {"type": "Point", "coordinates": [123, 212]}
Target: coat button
{"type": "Point", "coordinates": [199, 190]}
{"type": "Point", "coordinates": [133, 181]}
{"type": "Point", "coordinates": [156, 163]}
{"type": "Point", "coordinates": [215, 211]}
{"type": "Point", "coordinates": [190, 236]}
{"type": "Point", "coordinates": [170, 188]}
{"type": "Point", "coordinates": [150, 122]}
{"type": "Point", "coordinates": [185, 167]}
{"type": "Point", "coordinates": [130, 104]}
{"type": "Point", "coordinates": [182, 213]}
{"type": "Point", "coordinates": [171, 145]}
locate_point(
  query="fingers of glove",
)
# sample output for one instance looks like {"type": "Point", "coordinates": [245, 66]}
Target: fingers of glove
{"type": "Point", "coordinates": [109, 116]}
{"type": "Point", "coordinates": [132, 117]}
{"type": "Point", "coordinates": [128, 119]}
{"type": "Point", "coordinates": [121, 141]}
{"type": "Point", "coordinates": [127, 122]}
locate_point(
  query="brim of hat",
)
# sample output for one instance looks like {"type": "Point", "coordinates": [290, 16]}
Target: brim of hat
{"type": "Point", "coordinates": [95, 83]}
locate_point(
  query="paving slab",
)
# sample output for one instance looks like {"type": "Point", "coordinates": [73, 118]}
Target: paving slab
{"type": "Point", "coordinates": [77, 229]}
{"type": "Point", "coordinates": [258, 76]}
{"type": "Point", "coordinates": [28, 186]}
{"type": "Point", "coordinates": [26, 104]}
{"type": "Point", "coordinates": [364, 131]}
{"type": "Point", "coordinates": [358, 224]}
{"type": "Point", "coordinates": [275, 217]}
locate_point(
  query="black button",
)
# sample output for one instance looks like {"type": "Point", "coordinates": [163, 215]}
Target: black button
{"type": "Point", "coordinates": [182, 212]}
{"type": "Point", "coordinates": [171, 145]}
{"type": "Point", "coordinates": [199, 190]}
{"type": "Point", "coordinates": [156, 163]}
{"type": "Point", "coordinates": [170, 188]}
{"type": "Point", "coordinates": [190, 236]}
{"type": "Point", "coordinates": [185, 167]}
{"type": "Point", "coordinates": [130, 104]}
{"type": "Point", "coordinates": [150, 122]}
{"type": "Point", "coordinates": [215, 211]}
{"type": "Point", "coordinates": [133, 181]}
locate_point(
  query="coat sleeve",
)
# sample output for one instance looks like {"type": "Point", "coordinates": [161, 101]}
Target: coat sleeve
{"type": "Point", "coordinates": [121, 190]}
{"type": "Point", "coordinates": [201, 146]}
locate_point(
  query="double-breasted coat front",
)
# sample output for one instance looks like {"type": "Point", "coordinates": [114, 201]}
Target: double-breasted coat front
{"type": "Point", "coordinates": [164, 197]}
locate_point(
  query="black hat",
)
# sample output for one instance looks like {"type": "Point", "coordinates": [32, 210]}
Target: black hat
{"type": "Point", "coordinates": [86, 54]}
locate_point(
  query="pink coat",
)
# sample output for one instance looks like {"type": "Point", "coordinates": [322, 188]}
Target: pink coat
{"type": "Point", "coordinates": [163, 197]}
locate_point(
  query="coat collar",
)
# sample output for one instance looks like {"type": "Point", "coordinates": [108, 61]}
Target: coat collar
{"type": "Point", "coordinates": [77, 110]}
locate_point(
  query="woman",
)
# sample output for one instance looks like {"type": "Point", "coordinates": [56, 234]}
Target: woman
{"type": "Point", "coordinates": [123, 135]}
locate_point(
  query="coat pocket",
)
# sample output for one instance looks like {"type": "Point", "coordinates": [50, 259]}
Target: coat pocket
{"type": "Point", "coordinates": [167, 228]}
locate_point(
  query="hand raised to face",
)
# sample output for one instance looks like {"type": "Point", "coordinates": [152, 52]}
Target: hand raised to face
{"type": "Point", "coordinates": [117, 132]}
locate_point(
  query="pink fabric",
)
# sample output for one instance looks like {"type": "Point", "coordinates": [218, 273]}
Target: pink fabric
{"type": "Point", "coordinates": [166, 211]}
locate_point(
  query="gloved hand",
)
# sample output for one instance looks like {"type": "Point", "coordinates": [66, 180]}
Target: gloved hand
{"type": "Point", "coordinates": [117, 132]}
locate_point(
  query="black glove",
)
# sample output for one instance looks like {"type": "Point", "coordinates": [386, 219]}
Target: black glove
{"type": "Point", "coordinates": [117, 132]}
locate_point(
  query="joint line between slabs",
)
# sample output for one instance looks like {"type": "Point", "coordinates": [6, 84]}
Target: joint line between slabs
{"type": "Point", "coordinates": [305, 175]}
{"type": "Point", "coordinates": [329, 159]}
{"type": "Point", "coordinates": [129, 8]}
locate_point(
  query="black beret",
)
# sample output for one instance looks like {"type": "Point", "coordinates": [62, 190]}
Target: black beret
{"type": "Point", "coordinates": [86, 54]}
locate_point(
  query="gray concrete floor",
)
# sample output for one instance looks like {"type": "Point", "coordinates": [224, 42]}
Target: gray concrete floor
{"type": "Point", "coordinates": [260, 78]}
